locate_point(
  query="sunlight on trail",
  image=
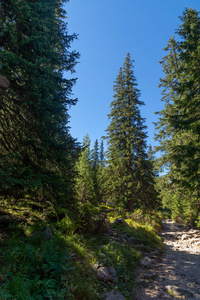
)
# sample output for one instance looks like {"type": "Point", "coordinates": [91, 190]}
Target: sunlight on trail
{"type": "Point", "coordinates": [178, 272]}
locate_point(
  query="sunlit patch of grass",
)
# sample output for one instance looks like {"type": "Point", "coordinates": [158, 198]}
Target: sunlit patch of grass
{"type": "Point", "coordinates": [141, 227]}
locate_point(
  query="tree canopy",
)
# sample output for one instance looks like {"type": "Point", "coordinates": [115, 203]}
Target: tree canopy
{"type": "Point", "coordinates": [36, 146]}
{"type": "Point", "coordinates": [179, 123]}
{"type": "Point", "coordinates": [128, 173]}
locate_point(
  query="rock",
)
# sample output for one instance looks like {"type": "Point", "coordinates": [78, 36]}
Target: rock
{"type": "Point", "coordinates": [138, 280]}
{"type": "Point", "coordinates": [148, 275]}
{"type": "Point", "coordinates": [107, 274]}
{"type": "Point", "coordinates": [114, 295]}
{"type": "Point", "coordinates": [46, 234]}
{"type": "Point", "coordinates": [96, 266]}
{"type": "Point", "coordinates": [120, 221]}
{"type": "Point", "coordinates": [179, 292]}
{"type": "Point", "coordinates": [4, 82]}
{"type": "Point", "coordinates": [145, 262]}
{"type": "Point", "coordinates": [185, 237]}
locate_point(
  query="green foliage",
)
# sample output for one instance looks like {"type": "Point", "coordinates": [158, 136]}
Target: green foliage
{"type": "Point", "coordinates": [197, 222]}
{"type": "Point", "coordinates": [101, 154]}
{"type": "Point", "coordinates": [36, 149]}
{"type": "Point", "coordinates": [85, 179]}
{"type": "Point", "coordinates": [143, 227]}
{"type": "Point", "coordinates": [61, 268]}
{"type": "Point", "coordinates": [34, 271]}
{"type": "Point", "coordinates": [129, 177]}
{"type": "Point", "coordinates": [97, 165]}
{"type": "Point", "coordinates": [178, 126]}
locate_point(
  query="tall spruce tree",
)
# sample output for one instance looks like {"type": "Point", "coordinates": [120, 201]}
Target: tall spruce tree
{"type": "Point", "coordinates": [36, 149]}
{"type": "Point", "coordinates": [178, 128]}
{"type": "Point", "coordinates": [128, 175]}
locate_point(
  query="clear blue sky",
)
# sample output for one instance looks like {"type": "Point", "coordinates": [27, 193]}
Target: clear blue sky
{"type": "Point", "coordinates": [107, 30]}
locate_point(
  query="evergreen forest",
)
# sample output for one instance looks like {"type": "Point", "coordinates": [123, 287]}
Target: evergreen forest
{"type": "Point", "coordinates": [65, 206]}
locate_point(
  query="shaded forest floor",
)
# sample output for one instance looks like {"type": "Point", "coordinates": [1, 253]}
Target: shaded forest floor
{"type": "Point", "coordinates": [175, 275]}
{"type": "Point", "coordinates": [70, 264]}
{"type": "Point", "coordinates": [42, 259]}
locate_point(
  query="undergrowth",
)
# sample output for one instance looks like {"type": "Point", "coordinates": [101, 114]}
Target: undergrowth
{"type": "Point", "coordinates": [62, 267]}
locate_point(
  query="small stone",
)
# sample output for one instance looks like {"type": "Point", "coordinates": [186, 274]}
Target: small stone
{"type": "Point", "coordinates": [95, 266]}
{"type": "Point", "coordinates": [138, 280]}
{"type": "Point", "coordinates": [145, 262]}
{"type": "Point", "coordinates": [185, 237]}
{"type": "Point", "coordinates": [114, 295]}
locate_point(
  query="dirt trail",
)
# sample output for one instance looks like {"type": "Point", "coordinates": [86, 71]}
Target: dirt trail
{"type": "Point", "coordinates": [176, 274]}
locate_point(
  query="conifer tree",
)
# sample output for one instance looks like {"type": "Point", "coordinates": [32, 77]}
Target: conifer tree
{"type": "Point", "coordinates": [127, 172]}
{"type": "Point", "coordinates": [95, 154]}
{"type": "Point", "coordinates": [85, 180]}
{"type": "Point", "coordinates": [101, 154]}
{"type": "Point", "coordinates": [36, 149]}
{"type": "Point", "coordinates": [95, 166]}
{"type": "Point", "coordinates": [178, 127]}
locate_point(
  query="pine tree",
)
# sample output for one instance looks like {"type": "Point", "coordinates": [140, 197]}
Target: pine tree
{"type": "Point", "coordinates": [178, 127]}
{"type": "Point", "coordinates": [85, 180]}
{"type": "Point", "coordinates": [127, 170]}
{"type": "Point", "coordinates": [36, 147]}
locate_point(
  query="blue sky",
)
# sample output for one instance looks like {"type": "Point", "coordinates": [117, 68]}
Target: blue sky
{"type": "Point", "coordinates": [107, 30]}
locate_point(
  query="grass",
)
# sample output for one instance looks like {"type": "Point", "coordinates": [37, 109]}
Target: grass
{"type": "Point", "coordinates": [61, 268]}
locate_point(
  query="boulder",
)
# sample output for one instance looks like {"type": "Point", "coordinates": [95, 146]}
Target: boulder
{"type": "Point", "coordinates": [107, 274]}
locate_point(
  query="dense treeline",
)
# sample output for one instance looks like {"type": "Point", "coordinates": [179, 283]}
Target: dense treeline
{"type": "Point", "coordinates": [125, 177]}
{"type": "Point", "coordinates": [37, 150]}
{"type": "Point", "coordinates": [178, 128]}
{"type": "Point", "coordinates": [58, 198]}
{"type": "Point", "coordinates": [39, 157]}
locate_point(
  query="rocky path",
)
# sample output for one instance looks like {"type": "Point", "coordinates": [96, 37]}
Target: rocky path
{"type": "Point", "coordinates": [176, 274]}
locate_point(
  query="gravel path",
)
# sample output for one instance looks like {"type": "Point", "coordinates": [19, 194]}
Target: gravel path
{"type": "Point", "coordinates": [176, 274]}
